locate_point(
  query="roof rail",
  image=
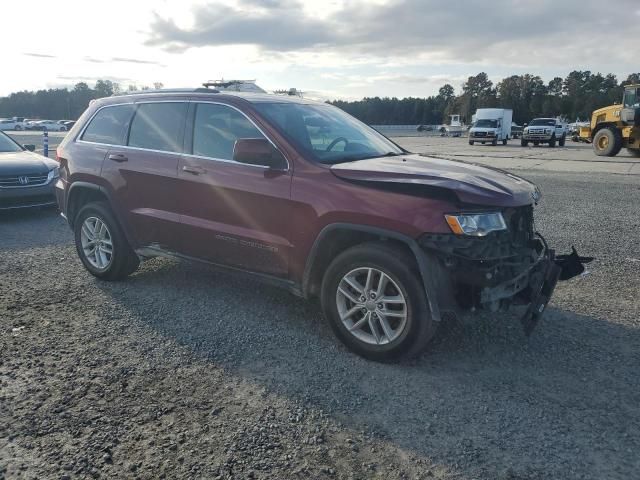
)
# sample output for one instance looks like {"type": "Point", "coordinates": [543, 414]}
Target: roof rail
{"type": "Point", "coordinates": [168, 90]}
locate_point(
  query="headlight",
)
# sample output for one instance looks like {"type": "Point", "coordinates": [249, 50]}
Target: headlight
{"type": "Point", "coordinates": [476, 225]}
{"type": "Point", "coordinates": [55, 173]}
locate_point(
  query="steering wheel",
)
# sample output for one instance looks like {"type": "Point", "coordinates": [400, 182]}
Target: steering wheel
{"type": "Point", "coordinates": [335, 142]}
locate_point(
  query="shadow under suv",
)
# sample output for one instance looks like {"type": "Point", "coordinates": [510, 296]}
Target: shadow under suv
{"type": "Point", "coordinates": [304, 195]}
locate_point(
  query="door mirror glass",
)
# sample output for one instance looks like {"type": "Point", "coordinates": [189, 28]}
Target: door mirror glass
{"type": "Point", "coordinates": [30, 148]}
{"type": "Point", "coordinates": [258, 151]}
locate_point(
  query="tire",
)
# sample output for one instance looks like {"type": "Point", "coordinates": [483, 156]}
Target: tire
{"type": "Point", "coordinates": [563, 140]}
{"type": "Point", "coordinates": [123, 260]}
{"type": "Point", "coordinates": [409, 334]}
{"type": "Point", "coordinates": [18, 128]}
{"type": "Point", "coordinates": [63, 129]}
{"type": "Point", "coordinates": [471, 142]}
{"type": "Point", "coordinates": [536, 143]}
{"type": "Point", "coordinates": [482, 143]}
{"type": "Point", "coordinates": [607, 142]}
{"type": "Point", "coordinates": [504, 142]}
{"type": "Point", "coordinates": [634, 152]}
{"type": "Point", "coordinates": [552, 142]}
{"type": "Point", "coordinates": [524, 143]}
{"type": "Point", "coordinates": [494, 142]}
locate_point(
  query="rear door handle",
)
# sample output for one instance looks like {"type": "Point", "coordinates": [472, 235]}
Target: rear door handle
{"type": "Point", "coordinates": [194, 170]}
{"type": "Point", "coordinates": [118, 157]}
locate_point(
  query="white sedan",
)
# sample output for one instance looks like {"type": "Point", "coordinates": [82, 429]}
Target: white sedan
{"type": "Point", "coordinates": [48, 125]}
{"type": "Point", "coordinates": [7, 124]}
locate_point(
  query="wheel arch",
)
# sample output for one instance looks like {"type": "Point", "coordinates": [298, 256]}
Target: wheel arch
{"type": "Point", "coordinates": [602, 125]}
{"type": "Point", "coordinates": [337, 237]}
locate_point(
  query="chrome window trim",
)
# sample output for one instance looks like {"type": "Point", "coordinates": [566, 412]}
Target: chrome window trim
{"type": "Point", "coordinates": [78, 138]}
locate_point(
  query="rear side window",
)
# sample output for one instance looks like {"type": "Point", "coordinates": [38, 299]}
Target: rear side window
{"type": "Point", "coordinates": [109, 125]}
{"type": "Point", "coordinates": [158, 126]}
{"type": "Point", "coordinates": [216, 129]}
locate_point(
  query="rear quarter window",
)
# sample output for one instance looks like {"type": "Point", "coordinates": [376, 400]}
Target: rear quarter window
{"type": "Point", "coordinates": [109, 125]}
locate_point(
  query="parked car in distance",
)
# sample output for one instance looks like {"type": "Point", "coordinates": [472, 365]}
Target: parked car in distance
{"type": "Point", "coordinates": [305, 196]}
{"type": "Point", "coordinates": [491, 125]}
{"type": "Point", "coordinates": [68, 124]}
{"type": "Point", "coordinates": [48, 125]}
{"type": "Point", "coordinates": [544, 130]}
{"type": "Point", "coordinates": [26, 179]}
{"type": "Point", "coordinates": [7, 124]}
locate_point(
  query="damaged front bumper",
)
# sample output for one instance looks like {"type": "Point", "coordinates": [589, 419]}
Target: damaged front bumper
{"type": "Point", "coordinates": [495, 272]}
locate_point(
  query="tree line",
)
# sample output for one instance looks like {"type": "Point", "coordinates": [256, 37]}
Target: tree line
{"type": "Point", "coordinates": [573, 97]}
{"type": "Point", "coordinates": [60, 103]}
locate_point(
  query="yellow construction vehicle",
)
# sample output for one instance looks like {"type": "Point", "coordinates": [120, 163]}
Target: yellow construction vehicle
{"type": "Point", "coordinates": [616, 127]}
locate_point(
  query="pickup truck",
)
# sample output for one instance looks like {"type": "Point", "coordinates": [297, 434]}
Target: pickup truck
{"type": "Point", "coordinates": [544, 130]}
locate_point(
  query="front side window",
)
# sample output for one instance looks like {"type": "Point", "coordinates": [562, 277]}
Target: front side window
{"type": "Point", "coordinates": [326, 133]}
{"type": "Point", "coordinates": [158, 126]}
{"type": "Point", "coordinates": [109, 125]}
{"type": "Point", "coordinates": [216, 129]}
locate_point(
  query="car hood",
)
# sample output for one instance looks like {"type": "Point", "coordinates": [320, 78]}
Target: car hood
{"type": "Point", "coordinates": [21, 163]}
{"type": "Point", "coordinates": [471, 183]}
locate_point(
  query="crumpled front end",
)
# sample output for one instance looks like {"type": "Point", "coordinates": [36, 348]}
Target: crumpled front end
{"type": "Point", "coordinates": [494, 272]}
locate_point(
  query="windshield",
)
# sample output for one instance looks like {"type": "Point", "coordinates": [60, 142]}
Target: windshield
{"type": "Point", "coordinates": [487, 123]}
{"type": "Point", "coordinates": [326, 133]}
{"type": "Point", "coordinates": [8, 145]}
{"type": "Point", "coordinates": [547, 122]}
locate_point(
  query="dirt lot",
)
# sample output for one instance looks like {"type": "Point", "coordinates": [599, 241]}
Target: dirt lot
{"type": "Point", "coordinates": [180, 372]}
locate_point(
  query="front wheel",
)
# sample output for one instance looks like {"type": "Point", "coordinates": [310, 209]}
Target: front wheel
{"type": "Point", "coordinates": [607, 142]}
{"type": "Point", "coordinates": [375, 303]}
{"type": "Point", "coordinates": [494, 142]}
{"type": "Point", "coordinates": [101, 244]}
{"type": "Point", "coordinates": [504, 142]}
{"type": "Point", "coordinates": [471, 142]}
{"type": "Point", "coordinates": [552, 142]}
{"type": "Point", "coordinates": [524, 143]}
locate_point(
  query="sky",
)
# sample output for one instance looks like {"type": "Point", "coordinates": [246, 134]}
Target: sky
{"type": "Point", "coordinates": [329, 49]}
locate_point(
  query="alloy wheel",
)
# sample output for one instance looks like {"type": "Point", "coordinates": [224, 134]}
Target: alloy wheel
{"type": "Point", "coordinates": [371, 306]}
{"type": "Point", "coordinates": [97, 244]}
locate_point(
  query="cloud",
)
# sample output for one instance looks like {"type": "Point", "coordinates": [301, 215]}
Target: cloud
{"type": "Point", "coordinates": [135, 60]}
{"type": "Point", "coordinates": [511, 32]}
{"type": "Point", "coordinates": [39, 55]}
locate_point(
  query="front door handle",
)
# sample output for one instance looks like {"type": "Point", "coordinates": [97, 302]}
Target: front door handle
{"type": "Point", "coordinates": [118, 157]}
{"type": "Point", "coordinates": [194, 170]}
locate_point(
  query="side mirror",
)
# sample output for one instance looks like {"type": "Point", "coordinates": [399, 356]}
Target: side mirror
{"type": "Point", "coordinates": [258, 151]}
{"type": "Point", "coordinates": [29, 147]}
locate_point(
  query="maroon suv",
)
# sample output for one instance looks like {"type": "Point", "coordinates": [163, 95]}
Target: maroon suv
{"type": "Point", "coordinates": [304, 195]}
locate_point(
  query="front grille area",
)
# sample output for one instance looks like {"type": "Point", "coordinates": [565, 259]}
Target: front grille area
{"type": "Point", "coordinates": [479, 134]}
{"type": "Point", "coordinates": [27, 180]}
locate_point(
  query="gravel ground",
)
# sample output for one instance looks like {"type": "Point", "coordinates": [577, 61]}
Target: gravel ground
{"type": "Point", "coordinates": [181, 372]}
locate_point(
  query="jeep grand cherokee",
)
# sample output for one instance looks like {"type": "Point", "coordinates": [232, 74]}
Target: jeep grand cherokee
{"type": "Point", "coordinates": [304, 195]}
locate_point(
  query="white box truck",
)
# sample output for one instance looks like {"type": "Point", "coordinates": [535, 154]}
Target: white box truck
{"type": "Point", "coordinates": [492, 125]}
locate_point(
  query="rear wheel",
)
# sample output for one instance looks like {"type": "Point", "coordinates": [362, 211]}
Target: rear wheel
{"type": "Point", "coordinates": [634, 152]}
{"type": "Point", "coordinates": [524, 143]}
{"type": "Point", "coordinates": [375, 303]}
{"type": "Point", "coordinates": [101, 244]}
{"type": "Point", "coordinates": [607, 142]}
